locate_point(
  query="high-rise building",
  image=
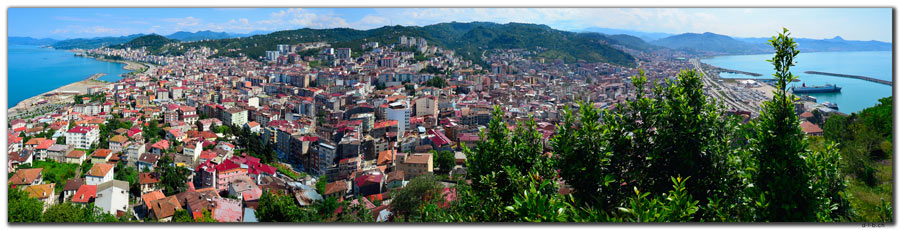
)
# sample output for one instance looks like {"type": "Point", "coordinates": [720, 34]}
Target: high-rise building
{"type": "Point", "coordinates": [399, 111]}
{"type": "Point", "coordinates": [342, 53]}
{"type": "Point", "coordinates": [284, 49]}
{"type": "Point", "coordinates": [272, 55]}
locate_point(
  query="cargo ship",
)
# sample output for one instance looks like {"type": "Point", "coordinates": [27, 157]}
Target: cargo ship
{"type": "Point", "coordinates": [827, 88]}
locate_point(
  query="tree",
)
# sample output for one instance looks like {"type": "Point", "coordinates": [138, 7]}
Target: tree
{"type": "Point", "coordinates": [644, 142]}
{"type": "Point", "coordinates": [321, 183]}
{"type": "Point", "coordinates": [68, 212]}
{"type": "Point", "coordinates": [223, 129]}
{"type": "Point", "coordinates": [172, 178]}
{"type": "Point", "coordinates": [183, 216]}
{"type": "Point", "coordinates": [22, 207]}
{"type": "Point", "coordinates": [129, 174]}
{"type": "Point", "coordinates": [408, 201]}
{"type": "Point", "coordinates": [86, 166]}
{"type": "Point", "coordinates": [675, 206]}
{"type": "Point", "coordinates": [783, 181]}
{"type": "Point", "coordinates": [444, 160]}
{"type": "Point", "coordinates": [280, 208]}
{"type": "Point", "coordinates": [437, 82]}
{"type": "Point", "coordinates": [497, 164]}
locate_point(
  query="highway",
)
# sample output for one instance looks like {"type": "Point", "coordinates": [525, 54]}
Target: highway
{"type": "Point", "coordinates": [713, 87]}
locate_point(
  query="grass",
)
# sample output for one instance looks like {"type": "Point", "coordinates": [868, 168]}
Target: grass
{"type": "Point", "coordinates": [287, 171]}
{"type": "Point", "coordinates": [55, 172]}
{"type": "Point", "coordinates": [866, 200]}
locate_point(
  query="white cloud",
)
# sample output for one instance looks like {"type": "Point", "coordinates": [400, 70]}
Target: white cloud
{"type": "Point", "coordinates": [294, 18]}
{"type": "Point", "coordinates": [92, 30]}
{"type": "Point", "coordinates": [183, 22]}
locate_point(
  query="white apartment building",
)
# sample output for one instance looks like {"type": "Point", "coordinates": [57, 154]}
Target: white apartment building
{"type": "Point", "coordinates": [82, 137]}
{"type": "Point", "coordinates": [399, 111]}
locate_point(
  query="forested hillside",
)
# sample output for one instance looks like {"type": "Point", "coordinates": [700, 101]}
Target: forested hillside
{"type": "Point", "coordinates": [467, 39]}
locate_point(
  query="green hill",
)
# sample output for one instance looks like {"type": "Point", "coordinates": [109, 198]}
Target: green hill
{"type": "Point", "coordinates": [155, 44]}
{"type": "Point", "coordinates": [467, 39]}
{"type": "Point", "coordinates": [710, 42]}
{"type": "Point", "coordinates": [91, 43]}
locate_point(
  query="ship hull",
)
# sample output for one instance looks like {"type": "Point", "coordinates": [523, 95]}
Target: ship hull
{"type": "Point", "coordinates": [817, 90]}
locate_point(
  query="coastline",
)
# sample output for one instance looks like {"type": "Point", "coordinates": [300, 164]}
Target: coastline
{"type": "Point", "coordinates": [64, 93]}
{"type": "Point", "coordinates": [129, 65]}
{"type": "Point", "coordinates": [58, 94]}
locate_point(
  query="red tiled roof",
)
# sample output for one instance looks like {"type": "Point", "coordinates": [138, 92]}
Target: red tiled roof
{"type": "Point", "coordinates": [369, 179]}
{"type": "Point", "coordinates": [45, 144]}
{"type": "Point", "coordinates": [81, 129]}
{"type": "Point", "coordinates": [25, 176]}
{"type": "Point", "coordinates": [152, 196]}
{"type": "Point", "coordinates": [385, 157]}
{"type": "Point", "coordinates": [227, 165]}
{"type": "Point", "coordinates": [335, 187]}
{"type": "Point", "coordinates": [101, 153]}
{"type": "Point", "coordinates": [148, 178]}
{"type": "Point", "coordinates": [439, 138]}
{"type": "Point", "coordinates": [100, 169]}
{"type": "Point", "coordinates": [85, 193]}
{"type": "Point", "coordinates": [162, 144]}
{"type": "Point", "coordinates": [809, 127]}
{"type": "Point", "coordinates": [75, 154]}
{"type": "Point", "coordinates": [382, 124]}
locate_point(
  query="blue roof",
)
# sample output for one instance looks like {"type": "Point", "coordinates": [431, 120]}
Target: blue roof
{"type": "Point", "coordinates": [250, 215]}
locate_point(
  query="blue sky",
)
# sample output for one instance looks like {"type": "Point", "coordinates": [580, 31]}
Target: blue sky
{"type": "Point", "coordinates": [849, 23]}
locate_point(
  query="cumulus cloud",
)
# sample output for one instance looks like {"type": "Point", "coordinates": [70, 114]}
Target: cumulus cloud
{"type": "Point", "coordinates": [303, 18]}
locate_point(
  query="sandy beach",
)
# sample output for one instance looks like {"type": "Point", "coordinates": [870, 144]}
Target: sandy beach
{"type": "Point", "coordinates": [65, 93]}
{"type": "Point", "coordinates": [60, 94]}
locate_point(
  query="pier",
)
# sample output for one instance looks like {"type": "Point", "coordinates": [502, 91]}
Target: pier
{"type": "Point", "coordinates": [724, 70]}
{"type": "Point", "coordinates": [851, 76]}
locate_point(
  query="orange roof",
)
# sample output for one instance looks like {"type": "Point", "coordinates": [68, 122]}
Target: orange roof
{"type": "Point", "coordinates": [100, 169]}
{"type": "Point", "coordinates": [45, 144]}
{"type": "Point", "coordinates": [35, 141]}
{"type": "Point", "coordinates": [75, 154]}
{"type": "Point", "coordinates": [395, 97]}
{"type": "Point", "coordinates": [382, 124]}
{"type": "Point", "coordinates": [385, 157]}
{"type": "Point", "coordinates": [418, 158]}
{"type": "Point", "coordinates": [25, 176]}
{"type": "Point", "coordinates": [148, 178]}
{"type": "Point", "coordinates": [118, 138]}
{"type": "Point", "coordinates": [40, 191]}
{"type": "Point", "coordinates": [151, 196]}
{"type": "Point", "coordinates": [809, 127]}
{"type": "Point", "coordinates": [335, 187]}
{"type": "Point", "coordinates": [101, 153]}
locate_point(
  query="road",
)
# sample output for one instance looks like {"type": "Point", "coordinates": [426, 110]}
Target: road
{"type": "Point", "coordinates": [713, 88]}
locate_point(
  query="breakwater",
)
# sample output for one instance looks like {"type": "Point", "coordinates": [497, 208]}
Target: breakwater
{"type": "Point", "coordinates": [851, 76]}
{"type": "Point", "coordinates": [724, 70]}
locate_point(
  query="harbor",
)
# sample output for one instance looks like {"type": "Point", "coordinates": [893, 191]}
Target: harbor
{"type": "Point", "coordinates": [854, 95]}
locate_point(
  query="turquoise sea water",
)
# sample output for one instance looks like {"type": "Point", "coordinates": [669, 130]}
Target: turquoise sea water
{"type": "Point", "coordinates": [34, 70]}
{"type": "Point", "coordinates": [855, 96]}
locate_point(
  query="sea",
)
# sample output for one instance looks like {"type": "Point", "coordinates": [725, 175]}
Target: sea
{"type": "Point", "coordinates": [34, 70]}
{"type": "Point", "coordinates": [856, 94]}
